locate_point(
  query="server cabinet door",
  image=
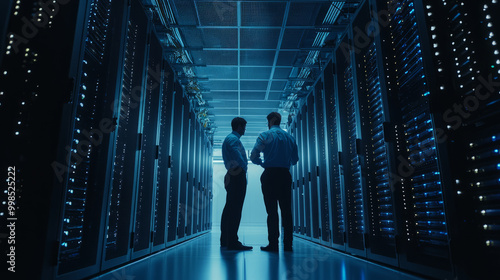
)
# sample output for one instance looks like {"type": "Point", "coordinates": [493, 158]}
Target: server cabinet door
{"type": "Point", "coordinates": [191, 183]}
{"type": "Point", "coordinates": [184, 176]}
{"type": "Point", "coordinates": [144, 209]}
{"type": "Point", "coordinates": [198, 178]}
{"type": "Point", "coordinates": [119, 226]}
{"type": "Point", "coordinates": [304, 180]}
{"type": "Point", "coordinates": [306, 173]}
{"type": "Point", "coordinates": [210, 184]}
{"type": "Point", "coordinates": [312, 168]}
{"type": "Point", "coordinates": [201, 181]}
{"type": "Point", "coordinates": [165, 127]}
{"type": "Point", "coordinates": [333, 161]}
{"type": "Point", "coordinates": [324, 203]}
{"type": "Point", "coordinates": [353, 190]}
{"type": "Point", "coordinates": [175, 181]}
{"type": "Point", "coordinates": [424, 240]}
{"type": "Point", "coordinates": [295, 185]}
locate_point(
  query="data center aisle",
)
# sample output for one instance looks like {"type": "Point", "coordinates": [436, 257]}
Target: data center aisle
{"type": "Point", "coordinates": [202, 258]}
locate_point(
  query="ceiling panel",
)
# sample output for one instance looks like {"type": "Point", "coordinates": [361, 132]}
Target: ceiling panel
{"type": "Point", "coordinates": [278, 86]}
{"type": "Point", "coordinates": [306, 14]}
{"type": "Point", "coordinates": [214, 95]}
{"type": "Point", "coordinates": [260, 104]}
{"type": "Point", "coordinates": [221, 85]}
{"type": "Point", "coordinates": [233, 46]}
{"type": "Point", "coordinates": [219, 72]}
{"type": "Point", "coordinates": [225, 104]}
{"type": "Point", "coordinates": [257, 95]}
{"type": "Point", "coordinates": [262, 13]}
{"type": "Point", "coordinates": [225, 111]}
{"type": "Point", "coordinates": [257, 58]}
{"type": "Point", "coordinates": [286, 58]}
{"type": "Point", "coordinates": [253, 85]}
{"type": "Point", "coordinates": [268, 38]}
{"type": "Point", "coordinates": [264, 112]}
{"type": "Point", "coordinates": [282, 73]}
{"type": "Point", "coordinates": [291, 38]}
{"type": "Point", "coordinates": [255, 72]}
{"type": "Point", "coordinates": [220, 37]}
{"type": "Point", "coordinates": [217, 13]}
{"type": "Point", "coordinates": [273, 95]}
{"type": "Point", "coordinates": [215, 57]}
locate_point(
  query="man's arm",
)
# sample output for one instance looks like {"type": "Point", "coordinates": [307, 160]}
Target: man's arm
{"type": "Point", "coordinates": [257, 149]}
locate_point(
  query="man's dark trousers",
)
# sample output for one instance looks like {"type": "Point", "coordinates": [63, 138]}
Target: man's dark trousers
{"type": "Point", "coordinates": [235, 183]}
{"type": "Point", "coordinates": [277, 188]}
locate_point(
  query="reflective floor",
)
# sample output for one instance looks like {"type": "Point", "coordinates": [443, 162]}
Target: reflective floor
{"type": "Point", "coordinates": [202, 258]}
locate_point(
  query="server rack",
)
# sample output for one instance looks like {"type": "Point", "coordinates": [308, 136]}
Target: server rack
{"type": "Point", "coordinates": [312, 169]}
{"type": "Point", "coordinates": [375, 151]}
{"type": "Point", "coordinates": [164, 176]}
{"type": "Point", "coordinates": [177, 141]}
{"type": "Point", "coordinates": [109, 159]}
{"type": "Point", "coordinates": [322, 167]}
{"type": "Point", "coordinates": [424, 240]}
{"type": "Point", "coordinates": [184, 176]}
{"type": "Point", "coordinates": [148, 127]}
{"type": "Point", "coordinates": [299, 178]}
{"type": "Point", "coordinates": [335, 184]}
{"type": "Point", "coordinates": [306, 195]}
{"type": "Point", "coordinates": [119, 231]}
{"type": "Point", "coordinates": [462, 39]}
{"type": "Point", "coordinates": [293, 171]}
{"type": "Point", "coordinates": [350, 153]}
{"type": "Point", "coordinates": [188, 208]}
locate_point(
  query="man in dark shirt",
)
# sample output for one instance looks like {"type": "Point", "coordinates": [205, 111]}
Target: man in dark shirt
{"type": "Point", "coordinates": [280, 152]}
{"type": "Point", "coordinates": [235, 182]}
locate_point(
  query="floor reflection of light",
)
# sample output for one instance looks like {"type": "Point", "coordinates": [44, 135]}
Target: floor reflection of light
{"type": "Point", "coordinates": [344, 273]}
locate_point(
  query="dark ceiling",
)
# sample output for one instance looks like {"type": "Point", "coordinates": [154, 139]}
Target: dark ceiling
{"type": "Point", "coordinates": [249, 58]}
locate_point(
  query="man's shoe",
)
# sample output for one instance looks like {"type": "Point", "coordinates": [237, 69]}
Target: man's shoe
{"type": "Point", "coordinates": [288, 248]}
{"type": "Point", "coordinates": [239, 248]}
{"type": "Point", "coordinates": [270, 248]}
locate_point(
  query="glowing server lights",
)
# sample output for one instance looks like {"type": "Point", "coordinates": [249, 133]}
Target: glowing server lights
{"type": "Point", "coordinates": [380, 198]}
{"type": "Point", "coordinates": [76, 215]}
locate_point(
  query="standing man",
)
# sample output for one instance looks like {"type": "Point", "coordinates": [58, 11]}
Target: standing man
{"type": "Point", "coordinates": [280, 152]}
{"type": "Point", "coordinates": [235, 182]}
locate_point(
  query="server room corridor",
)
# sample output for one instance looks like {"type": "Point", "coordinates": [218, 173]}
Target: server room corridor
{"type": "Point", "coordinates": [202, 258]}
{"type": "Point", "coordinates": [114, 116]}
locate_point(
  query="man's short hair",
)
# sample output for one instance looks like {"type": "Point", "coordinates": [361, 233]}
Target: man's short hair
{"type": "Point", "coordinates": [237, 122]}
{"type": "Point", "coordinates": [274, 118]}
